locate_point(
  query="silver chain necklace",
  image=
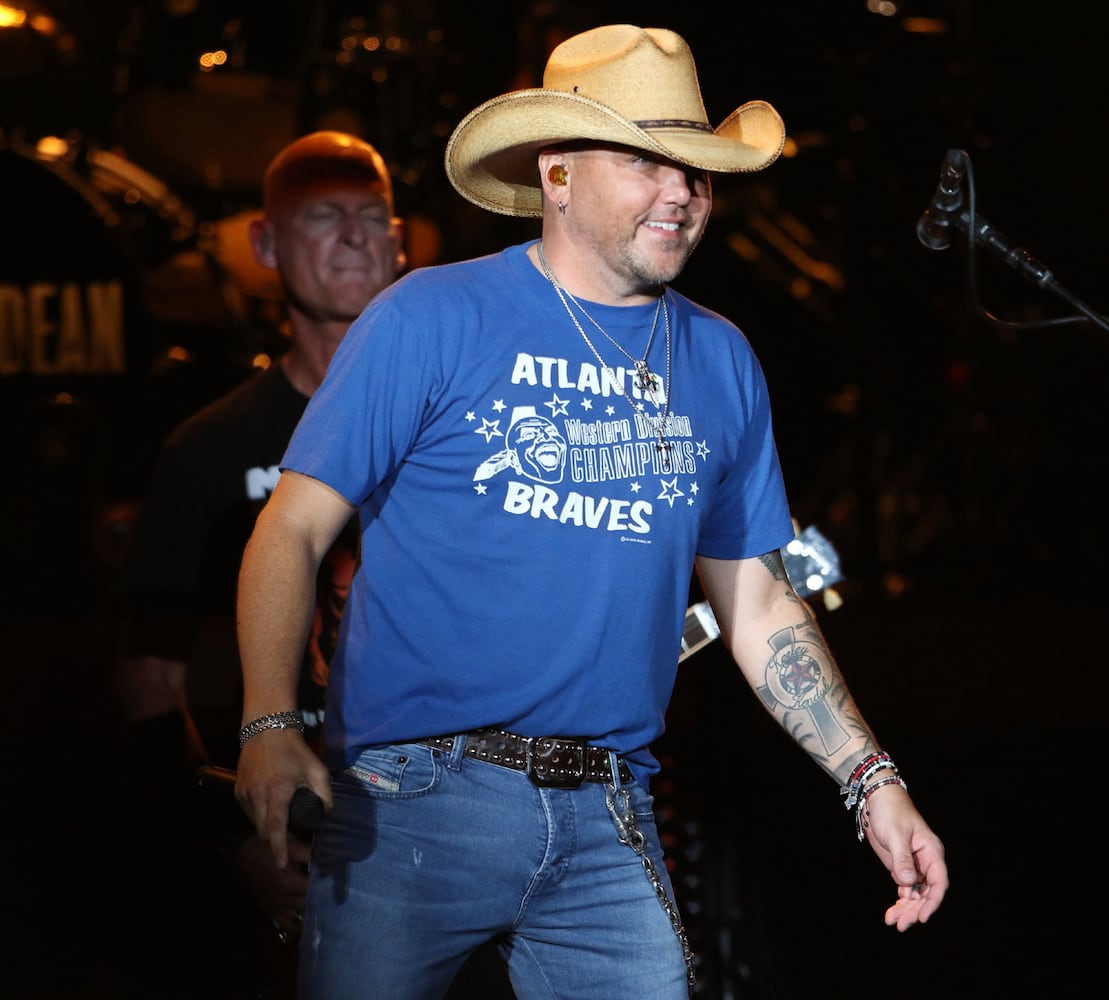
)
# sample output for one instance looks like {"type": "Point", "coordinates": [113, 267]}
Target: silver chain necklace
{"type": "Point", "coordinates": [645, 380]}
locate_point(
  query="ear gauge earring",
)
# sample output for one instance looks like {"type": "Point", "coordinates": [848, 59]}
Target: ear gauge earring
{"type": "Point", "coordinates": [557, 174]}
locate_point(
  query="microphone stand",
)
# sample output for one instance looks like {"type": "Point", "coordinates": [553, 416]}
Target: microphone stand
{"type": "Point", "coordinates": [985, 235]}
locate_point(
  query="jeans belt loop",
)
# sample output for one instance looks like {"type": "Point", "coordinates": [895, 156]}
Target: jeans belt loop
{"type": "Point", "coordinates": [614, 768]}
{"type": "Point", "coordinates": [457, 753]}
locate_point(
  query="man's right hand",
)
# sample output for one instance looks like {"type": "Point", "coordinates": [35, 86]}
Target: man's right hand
{"type": "Point", "coordinates": [272, 766]}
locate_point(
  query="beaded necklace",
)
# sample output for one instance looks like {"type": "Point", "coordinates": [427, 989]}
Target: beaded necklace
{"type": "Point", "coordinates": [645, 380]}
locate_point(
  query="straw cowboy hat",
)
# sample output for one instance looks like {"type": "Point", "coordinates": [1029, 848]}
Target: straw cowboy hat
{"type": "Point", "coordinates": [621, 84]}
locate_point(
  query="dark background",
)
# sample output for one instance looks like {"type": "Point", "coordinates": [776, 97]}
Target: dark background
{"type": "Point", "coordinates": [941, 431]}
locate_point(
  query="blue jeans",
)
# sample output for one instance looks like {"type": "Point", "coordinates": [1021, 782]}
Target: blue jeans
{"type": "Point", "coordinates": [427, 854]}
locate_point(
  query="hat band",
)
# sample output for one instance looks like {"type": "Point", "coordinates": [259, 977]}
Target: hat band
{"type": "Point", "coordinates": [674, 123]}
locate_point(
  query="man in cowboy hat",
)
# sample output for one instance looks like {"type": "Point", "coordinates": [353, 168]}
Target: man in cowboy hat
{"type": "Point", "coordinates": [511, 641]}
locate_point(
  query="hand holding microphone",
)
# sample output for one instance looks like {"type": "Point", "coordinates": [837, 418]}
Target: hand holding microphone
{"type": "Point", "coordinates": [216, 786]}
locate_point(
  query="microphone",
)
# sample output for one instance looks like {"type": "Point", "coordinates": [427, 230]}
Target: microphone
{"type": "Point", "coordinates": [216, 789]}
{"type": "Point", "coordinates": [934, 227]}
{"type": "Point", "coordinates": [305, 813]}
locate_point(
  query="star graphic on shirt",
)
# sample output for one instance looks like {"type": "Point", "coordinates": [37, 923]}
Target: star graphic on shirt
{"type": "Point", "coordinates": [470, 416]}
{"type": "Point", "coordinates": [557, 406]}
{"type": "Point", "coordinates": [587, 403]}
{"type": "Point", "coordinates": [610, 410]}
{"type": "Point", "coordinates": [635, 487]}
{"type": "Point", "coordinates": [694, 488]}
{"type": "Point", "coordinates": [670, 491]}
{"type": "Point", "coordinates": [498, 405]}
{"type": "Point", "coordinates": [479, 489]}
{"type": "Point", "coordinates": [702, 449]}
{"type": "Point", "coordinates": [490, 428]}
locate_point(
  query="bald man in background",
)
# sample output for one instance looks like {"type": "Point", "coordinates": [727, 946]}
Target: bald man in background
{"type": "Point", "coordinates": [330, 235]}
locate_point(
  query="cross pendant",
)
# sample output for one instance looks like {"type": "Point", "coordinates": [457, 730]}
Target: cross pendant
{"type": "Point", "coordinates": [643, 377]}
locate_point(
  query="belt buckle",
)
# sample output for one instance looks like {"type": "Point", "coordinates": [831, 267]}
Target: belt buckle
{"type": "Point", "coordinates": [556, 761]}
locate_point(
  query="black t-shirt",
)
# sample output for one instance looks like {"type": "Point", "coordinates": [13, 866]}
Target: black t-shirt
{"type": "Point", "coordinates": [212, 477]}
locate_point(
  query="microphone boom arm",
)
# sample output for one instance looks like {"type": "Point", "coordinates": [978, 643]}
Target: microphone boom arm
{"type": "Point", "coordinates": [986, 235]}
{"type": "Point", "coordinates": [945, 213]}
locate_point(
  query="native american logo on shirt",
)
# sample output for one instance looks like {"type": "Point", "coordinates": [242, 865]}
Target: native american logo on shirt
{"type": "Point", "coordinates": [534, 447]}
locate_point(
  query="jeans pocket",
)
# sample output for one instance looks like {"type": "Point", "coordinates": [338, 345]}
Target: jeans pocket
{"type": "Point", "coordinates": [394, 771]}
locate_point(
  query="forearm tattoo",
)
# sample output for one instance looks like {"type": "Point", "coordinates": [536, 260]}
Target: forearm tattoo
{"type": "Point", "coordinates": [774, 564]}
{"type": "Point", "coordinates": [803, 688]}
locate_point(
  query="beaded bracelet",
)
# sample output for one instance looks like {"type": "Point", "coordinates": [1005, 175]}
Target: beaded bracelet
{"type": "Point", "coordinates": [278, 720]}
{"type": "Point", "coordinates": [863, 772]}
{"type": "Point", "coordinates": [862, 810]}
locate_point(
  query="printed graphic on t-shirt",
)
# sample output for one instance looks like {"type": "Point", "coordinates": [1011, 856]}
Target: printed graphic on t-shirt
{"type": "Point", "coordinates": [593, 428]}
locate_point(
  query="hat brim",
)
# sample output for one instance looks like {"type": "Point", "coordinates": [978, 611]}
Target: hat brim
{"type": "Point", "coordinates": [491, 156]}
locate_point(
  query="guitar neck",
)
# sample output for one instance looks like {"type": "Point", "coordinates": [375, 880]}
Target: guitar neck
{"type": "Point", "coordinates": [700, 629]}
{"type": "Point", "coordinates": [812, 565]}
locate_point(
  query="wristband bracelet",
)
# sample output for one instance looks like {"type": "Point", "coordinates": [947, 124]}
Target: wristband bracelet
{"type": "Point", "coordinates": [862, 810]}
{"type": "Point", "coordinates": [278, 720]}
{"type": "Point", "coordinates": [864, 771]}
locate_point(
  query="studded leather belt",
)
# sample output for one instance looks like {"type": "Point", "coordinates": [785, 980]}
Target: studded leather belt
{"type": "Point", "coordinates": [549, 761]}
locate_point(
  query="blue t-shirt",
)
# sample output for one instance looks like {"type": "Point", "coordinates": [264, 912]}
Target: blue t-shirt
{"type": "Point", "coordinates": [526, 555]}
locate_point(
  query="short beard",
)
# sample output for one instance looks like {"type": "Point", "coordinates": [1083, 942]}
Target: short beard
{"type": "Point", "coordinates": [655, 278]}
